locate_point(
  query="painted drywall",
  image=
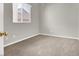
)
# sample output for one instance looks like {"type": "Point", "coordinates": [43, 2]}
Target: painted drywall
{"type": "Point", "coordinates": [17, 31]}
{"type": "Point", "coordinates": [59, 19]}
{"type": "Point", "coordinates": [52, 19]}
{"type": "Point", "coordinates": [78, 19]}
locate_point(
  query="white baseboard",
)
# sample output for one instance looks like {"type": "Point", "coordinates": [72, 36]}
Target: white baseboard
{"type": "Point", "coordinates": [60, 36]}
{"type": "Point", "coordinates": [21, 40]}
{"type": "Point", "coordinates": [39, 34]}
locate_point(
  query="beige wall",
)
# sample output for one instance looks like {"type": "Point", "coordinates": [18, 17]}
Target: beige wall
{"type": "Point", "coordinates": [59, 19]}
{"type": "Point", "coordinates": [78, 20]}
{"type": "Point", "coordinates": [19, 31]}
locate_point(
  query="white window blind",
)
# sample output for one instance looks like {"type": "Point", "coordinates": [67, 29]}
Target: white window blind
{"type": "Point", "coordinates": [21, 13]}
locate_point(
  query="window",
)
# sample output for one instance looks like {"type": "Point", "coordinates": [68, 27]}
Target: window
{"type": "Point", "coordinates": [21, 13]}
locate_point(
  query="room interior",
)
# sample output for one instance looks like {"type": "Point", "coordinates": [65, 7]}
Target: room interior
{"type": "Point", "coordinates": [53, 31]}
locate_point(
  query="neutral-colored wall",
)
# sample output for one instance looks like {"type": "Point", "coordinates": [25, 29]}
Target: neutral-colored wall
{"type": "Point", "coordinates": [59, 19]}
{"type": "Point", "coordinates": [51, 19]}
{"type": "Point", "coordinates": [20, 31]}
{"type": "Point", "coordinates": [78, 19]}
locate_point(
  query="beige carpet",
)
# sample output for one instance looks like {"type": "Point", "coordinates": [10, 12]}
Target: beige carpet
{"type": "Point", "coordinates": [44, 46]}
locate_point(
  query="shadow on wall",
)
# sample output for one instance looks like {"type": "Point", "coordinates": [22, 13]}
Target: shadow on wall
{"type": "Point", "coordinates": [59, 19]}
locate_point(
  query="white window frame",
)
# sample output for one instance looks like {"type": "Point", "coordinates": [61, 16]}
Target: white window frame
{"type": "Point", "coordinates": [26, 6]}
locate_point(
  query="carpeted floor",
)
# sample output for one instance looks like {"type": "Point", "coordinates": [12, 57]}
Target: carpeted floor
{"type": "Point", "coordinates": [44, 46]}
